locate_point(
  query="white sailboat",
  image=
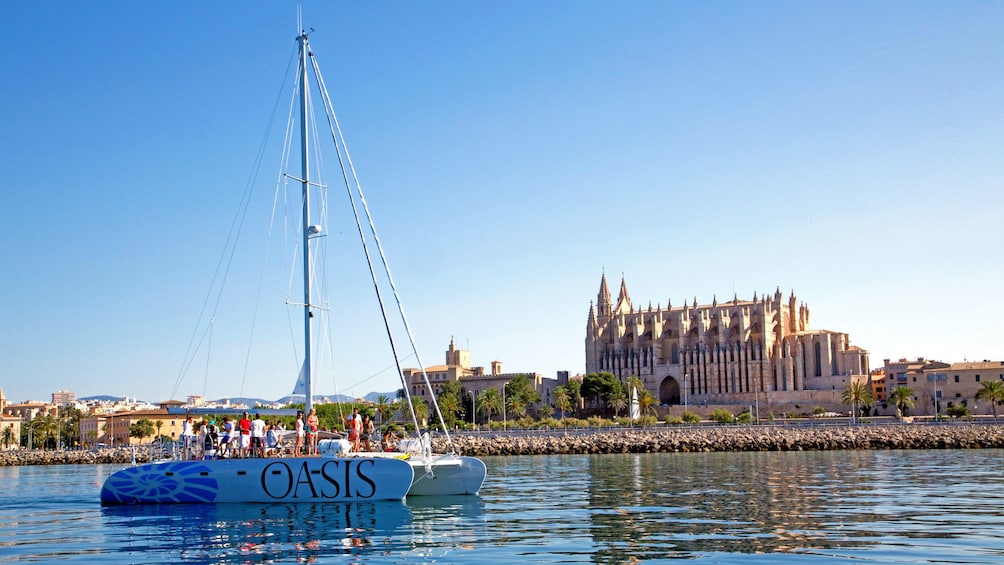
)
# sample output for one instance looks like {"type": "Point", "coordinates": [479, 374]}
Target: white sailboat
{"type": "Point", "coordinates": [270, 479]}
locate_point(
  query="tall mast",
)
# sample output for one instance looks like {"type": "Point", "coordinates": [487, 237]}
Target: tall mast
{"type": "Point", "coordinates": [307, 380]}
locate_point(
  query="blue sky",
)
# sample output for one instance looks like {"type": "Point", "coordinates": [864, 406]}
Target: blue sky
{"type": "Point", "coordinates": [512, 152]}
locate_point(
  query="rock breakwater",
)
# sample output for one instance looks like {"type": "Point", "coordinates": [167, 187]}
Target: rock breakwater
{"type": "Point", "coordinates": [121, 455]}
{"type": "Point", "coordinates": [737, 438]}
{"type": "Point", "coordinates": [639, 440]}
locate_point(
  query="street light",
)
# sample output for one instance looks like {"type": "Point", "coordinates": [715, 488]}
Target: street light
{"type": "Point", "coordinates": [686, 389]}
{"type": "Point", "coordinates": [503, 409]}
{"type": "Point", "coordinates": [473, 412]}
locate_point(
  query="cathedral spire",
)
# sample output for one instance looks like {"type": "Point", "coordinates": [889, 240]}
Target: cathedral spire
{"type": "Point", "coordinates": [623, 299]}
{"type": "Point", "coordinates": [603, 303]}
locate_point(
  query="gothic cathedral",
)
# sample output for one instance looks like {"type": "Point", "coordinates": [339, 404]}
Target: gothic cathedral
{"type": "Point", "coordinates": [720, 353]}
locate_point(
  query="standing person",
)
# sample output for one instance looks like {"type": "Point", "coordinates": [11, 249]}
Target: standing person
{"type": "Point", "coordinates": [258, 436]}
{"type": "Point", "coordinates": [188, 436]}
{"type": "Point", "coordinates": [244, 425]}
{"type": "Point", "coordinates": [298, 449]}
{"type": "Point", "coordinates": [228, 431]}
{"type": "Point", "coordinates": [367, 433]}
{"type": "Point", "coordinates": [353, 425]}
{"type": "Point", "coordinates": [312, 423]}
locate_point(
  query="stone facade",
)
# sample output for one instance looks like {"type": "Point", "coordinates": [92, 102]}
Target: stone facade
{"type": "Point", "coordinates": [950, 383]}
{"type": "Point", "coordinates": [735, 352]}
{"type": "Point", "coordinates": [474, 379]}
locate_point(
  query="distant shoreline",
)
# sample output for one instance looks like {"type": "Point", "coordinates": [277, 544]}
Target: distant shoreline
{"type": "Point", "coordinates": [659, 439]}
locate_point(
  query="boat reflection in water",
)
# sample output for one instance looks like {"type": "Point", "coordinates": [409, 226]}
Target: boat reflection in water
{"type": "Point", "coordinates": [227, 533]}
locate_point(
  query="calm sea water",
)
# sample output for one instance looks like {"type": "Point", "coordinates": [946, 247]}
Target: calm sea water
{"type": "Point", "coordinates": [808, 507]}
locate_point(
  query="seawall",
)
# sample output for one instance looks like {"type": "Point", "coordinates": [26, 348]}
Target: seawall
{"type": "Point", "coordinates": [640, 440]}
{"type": "Point", "coordinates": [734, 438]}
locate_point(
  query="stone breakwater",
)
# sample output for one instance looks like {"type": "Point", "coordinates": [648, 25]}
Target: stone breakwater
{"type": "Point", "coordinates": [698, 439]}
{"type": "Point", "coordinates": [121, 455]}
{"type": "Point", "coordinates": [635, 440]}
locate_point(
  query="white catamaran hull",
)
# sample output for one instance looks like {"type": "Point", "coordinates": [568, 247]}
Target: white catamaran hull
{"type": "Point", "coordinates": [446, 475]}
{"type": "Point", "coordinates": [293, 479]}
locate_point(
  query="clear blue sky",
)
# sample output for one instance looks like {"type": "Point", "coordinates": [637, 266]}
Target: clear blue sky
{"type": "Point", "coordinates": [511, 152]}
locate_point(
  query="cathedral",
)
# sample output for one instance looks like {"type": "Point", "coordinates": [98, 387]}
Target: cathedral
{"type": "Point", "coordinates": [721, 353]}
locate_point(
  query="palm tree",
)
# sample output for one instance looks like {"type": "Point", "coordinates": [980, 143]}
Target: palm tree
{"type": "Point", "coordinates": [449, 406]}
{"type": "Point", "coordinates": [421, 408]}
{"type": "Point", "coordinates": [8, 435]}
{"type": "Point", "coordinates": [856, 395]}
{"type": "Point", "coordinates": [517, 407]}
{"type": "Point", "coordinates": [617, 402]}
{"type": "Point", "coordinates": [992, 391]}
{"type": "Point", "coordinates": [489, 402]}
{"type": "Point", "coordinates": [562, 401]}
{"type": "Point", "coordinates": [384, 408]}
{"type": "Point", "coordinates": [646, 402]}
{"type": "Point", "coordinates": [902, 398]}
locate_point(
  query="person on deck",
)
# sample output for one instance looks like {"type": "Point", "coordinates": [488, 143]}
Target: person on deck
{"type": "Point", "coordinates": [312, 423]}
{"type": "Point", "coordinates": [367, 433]}
{"type": "Point", "coordinates": [244, 425]}
{"type": "Point", "coordinates": [258, 436]}
{"type": "Point", "coordinates": [188, 435]}
{"type": "Point", "coordinates": [353, 426]}
{"type": "Point", "coordinates": [300, 433]}
{"type": "Point", "coordinates": [228, 434]}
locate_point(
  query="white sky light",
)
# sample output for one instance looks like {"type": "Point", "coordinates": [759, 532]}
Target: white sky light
{"type": "Point", "coordinates": [511, 152]}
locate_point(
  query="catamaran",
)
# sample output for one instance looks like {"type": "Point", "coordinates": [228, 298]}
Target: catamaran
{"type": "Point", "coordinates": [335, 476]}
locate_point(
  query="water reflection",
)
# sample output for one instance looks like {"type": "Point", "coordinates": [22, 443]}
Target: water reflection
{"type": "Point", "coordinates": [614, 508]}
{"type": "Point", "coordinates": [238, 533]}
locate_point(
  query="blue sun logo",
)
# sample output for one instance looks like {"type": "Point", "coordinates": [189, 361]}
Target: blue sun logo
{"type": "Point", "coordinates": [179, 481]}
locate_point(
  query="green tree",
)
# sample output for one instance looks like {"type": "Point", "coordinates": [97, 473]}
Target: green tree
{"type": "Point", "coordinates": [520, 389]}
{"type": "Point", "coordinates": [489, 402]}
{"type": "Point", "coordinates": [562, 400]}
{"type": "Point", "coordinates": [384, 408]}
{"type": "Point", "coordinates": [857, 395]}
{"type": "Point", "coordinates": [601, 387]}
{"type": "Point", "coordinates": [902, 399]}
{"type": "Point", "coordinates": [141, 429]}
{"type": "Point", "coordinates": [617, 402]}
{"type": "Point", "coordinates": [574, 388]}
{"type": "Point", "coordinates": [449, 405]}
{"type": "Point", "coordinates": [421, 409]}
{"type": "Point", "coordinates": [992, 392]}
{"type": "Point", "coordinates": [647, 402]}
{"type": "Point", "coordinates": [44, 430]}
{"type": "Point", "coordinates": [8, 436]}
{"type": "Point", "coordinates": [516, 407]}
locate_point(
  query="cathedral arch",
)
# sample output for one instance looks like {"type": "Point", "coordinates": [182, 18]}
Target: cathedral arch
{"type": "Point", "coordinates": [669, 391]}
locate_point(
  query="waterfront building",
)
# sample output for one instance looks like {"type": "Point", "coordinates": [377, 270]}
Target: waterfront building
{"type": "Point", "coordinates": [949, 383]}
{"type": "Point", "coordinates": [880, 388]}
{"type": "Point", "coordinates": [474, 379]}
{"type": "Point", "coordinates": [63, 397]}
{"type": "Point", "coordinates": [113, 428]}
{"type": "Point", "coordinates": [734, 352]}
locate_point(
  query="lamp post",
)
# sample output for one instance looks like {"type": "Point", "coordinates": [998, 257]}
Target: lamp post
{"type": "Point", "coordinates": [503, 409]}
{"type": "Point", "coordinates": [686, 389]}
{"type": "Point", "coordinates": [473, 412]}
